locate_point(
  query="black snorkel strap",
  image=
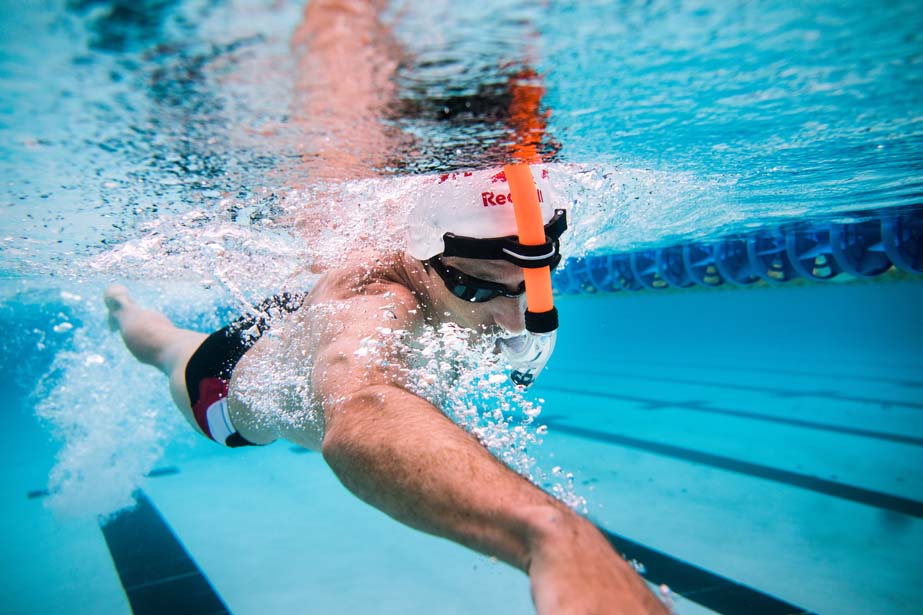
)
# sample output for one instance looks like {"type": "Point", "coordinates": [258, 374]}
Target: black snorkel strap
{"type": "Point", "coordinates": [509, 249]}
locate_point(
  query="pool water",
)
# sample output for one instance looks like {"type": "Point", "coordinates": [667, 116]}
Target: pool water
{"type": "Point", "coordinates": [757, 450]}
{"type": "Point", "coordinates": [782, 457]}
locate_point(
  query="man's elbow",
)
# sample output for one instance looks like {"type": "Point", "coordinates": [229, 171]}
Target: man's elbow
{"type": "Point", "coordinates": [352, 421]}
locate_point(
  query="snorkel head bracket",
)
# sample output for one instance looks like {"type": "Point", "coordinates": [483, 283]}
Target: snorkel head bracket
{"type": "Point", "coordinates": [509, 248]}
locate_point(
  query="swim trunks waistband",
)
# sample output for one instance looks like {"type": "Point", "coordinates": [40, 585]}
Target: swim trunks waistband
{"type": "Point", "coordinates": [209, 370]}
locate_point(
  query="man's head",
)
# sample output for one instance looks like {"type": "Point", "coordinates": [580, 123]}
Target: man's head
{"type": "Point", "coordinates": [463, 228]}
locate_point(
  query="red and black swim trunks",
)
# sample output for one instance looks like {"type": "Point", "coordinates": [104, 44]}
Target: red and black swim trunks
{"type": "Point", "coordinates": [208, 372]}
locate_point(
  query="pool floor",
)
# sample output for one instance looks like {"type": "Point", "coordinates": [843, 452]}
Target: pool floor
{"type": "Point", "coordinates": [766, 443]}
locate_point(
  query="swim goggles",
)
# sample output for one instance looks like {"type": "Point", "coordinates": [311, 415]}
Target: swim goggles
{"type": "Point", "coordinates": [469, 288]}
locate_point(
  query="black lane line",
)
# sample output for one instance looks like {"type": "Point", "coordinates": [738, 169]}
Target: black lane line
{"type": "Point", "coordinates": [778, 392]}
{"type": "Point", "coordinates": [155, 473]}
{"type": "Point", "coordinates": [700, 406]}
{"type": "Point", "coordinates": [877, 499]}
{"type": "Point", "coordinates": [165, 471]}
{"type": "Point", "coordinates": [712, 591]}
{"type": "Point", "coordinates": [157, 573]}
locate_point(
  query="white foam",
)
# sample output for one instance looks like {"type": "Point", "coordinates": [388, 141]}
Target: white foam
{"type": "Point", "coordinates": [112, 415]}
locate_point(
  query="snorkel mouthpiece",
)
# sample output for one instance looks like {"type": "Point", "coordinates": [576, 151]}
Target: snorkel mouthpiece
{"type": "Point", "coordinates": [529, 352]}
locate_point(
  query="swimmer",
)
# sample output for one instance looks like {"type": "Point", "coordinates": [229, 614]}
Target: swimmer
{"type": "Point", "coordinates": [390, 447]}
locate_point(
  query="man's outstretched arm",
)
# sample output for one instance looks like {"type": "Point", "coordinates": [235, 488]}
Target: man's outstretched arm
{"type": "Point", "coordinates": [400, 454]}
{"type": "Point", "coordinates": [347, 57]}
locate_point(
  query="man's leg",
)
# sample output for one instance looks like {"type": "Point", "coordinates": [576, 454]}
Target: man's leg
{"type": "Point", "coordinates": [154, 340]}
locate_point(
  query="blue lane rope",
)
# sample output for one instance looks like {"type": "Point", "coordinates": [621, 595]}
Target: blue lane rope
{"type": "Point", "coordinates": [871, 244]}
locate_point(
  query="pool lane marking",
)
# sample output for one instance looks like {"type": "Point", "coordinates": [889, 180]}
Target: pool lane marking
{"type": "Point", "coordinates": [159, 576]}
{"type": "Point", "coordinates": [712, 591]}
{"type": "Point", "coordinates": [746, 387]}
{"type": "Point", "coordinates": [701, 406]}
{"type": "Point", "coordinates": [155, 570]}
{"type": "Point", "coordinates": [878, 499]}
{"type": "Point", "coordinates": [155, 473]}
{"type": "Point", "coordinates": [164, 471]}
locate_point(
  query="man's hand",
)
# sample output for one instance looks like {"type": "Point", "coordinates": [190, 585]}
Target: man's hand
{"type": "Point", "coordinates": [574, 571]}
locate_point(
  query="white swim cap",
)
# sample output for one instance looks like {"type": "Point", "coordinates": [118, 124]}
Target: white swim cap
{"type": "Point", "coordinates": [468, 203]}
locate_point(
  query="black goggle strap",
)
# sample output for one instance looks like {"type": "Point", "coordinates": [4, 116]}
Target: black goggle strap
{"type": "Point", "coordinates": [509, 249]}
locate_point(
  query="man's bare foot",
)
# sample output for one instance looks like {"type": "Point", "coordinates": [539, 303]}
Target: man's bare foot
{"type": "Point", "coordinates": [116, 298]}
{"type": "Point", "coordinates": [149, 335]}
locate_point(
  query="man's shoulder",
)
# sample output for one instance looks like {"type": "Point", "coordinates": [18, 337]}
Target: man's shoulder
{"type": "Point", "coordinates": [372, 280]}
{"type": "Point", "coordinates": [361, 302]}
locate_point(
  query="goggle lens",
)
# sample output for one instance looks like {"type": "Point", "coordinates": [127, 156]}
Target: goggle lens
{"type": "Point", "coordinates": [470, 288]}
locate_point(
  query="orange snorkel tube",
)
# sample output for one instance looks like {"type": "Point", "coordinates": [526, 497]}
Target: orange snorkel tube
{"type": "Point", "coordinates": [541, 315]}
{"type": "Point", "coordinates": [528, 122]}
{"type": "Point", "coordinates": [528, 353]}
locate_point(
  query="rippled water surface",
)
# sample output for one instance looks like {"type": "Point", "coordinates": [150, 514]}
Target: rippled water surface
{"type": "Point", "coordinates": [134, 133]}
{"type": "Point", "coordinates": [806, 107]}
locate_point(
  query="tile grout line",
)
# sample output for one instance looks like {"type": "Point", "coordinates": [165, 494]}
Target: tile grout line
{"type": "Point", "coordinates": [877, 499]}
{"type": "Point", "coordinates": [701, 406]}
